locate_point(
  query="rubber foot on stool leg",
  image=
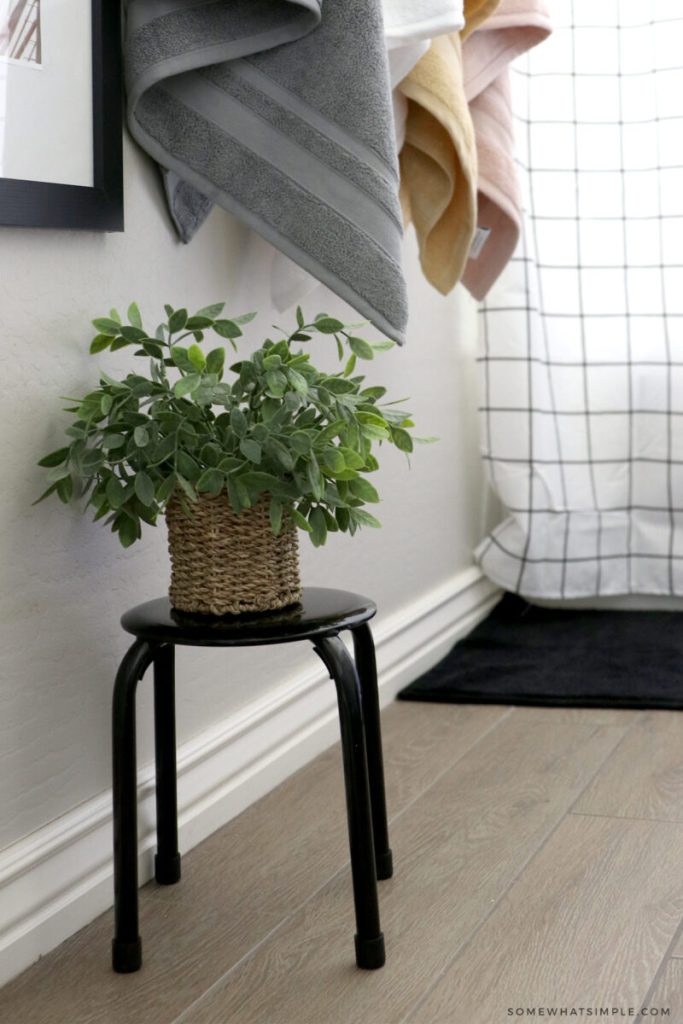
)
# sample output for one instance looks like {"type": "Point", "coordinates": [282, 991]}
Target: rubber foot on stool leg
{"type": "Point", "coordinates": [370, 952]}
{"type": "Point", "coordinates": [167, 869]}
{"type": "Point", "coordinates": [126, 956]}
{"type": "Point", "coordinates": [385, 866]}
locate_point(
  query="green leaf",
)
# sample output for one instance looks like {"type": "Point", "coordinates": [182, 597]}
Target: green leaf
{"type": "Point", "coordinates": [150, 348]}
{"type": "Point", "coordinates": [300, 317]}
{"type": "Point", "coordinates": [99, 343]}
{"type": "Point", "coordinates": [373, 394]}
{"type": "Point", "coordinates": [211, 311]}
{"type": "Point", "coordinates": [91, 461]}
{"type": "Point", "coordinates": [115, 492]}
{"type": "Point", "coordinates": [110, 441]}
{"type": "Point", "coordinates": [238, 422]}
{"type": "Point", "coordinates": [141, 437]}
{"type": "Point", "coordinates": [227, 329]}
{"type": "Point", "coordinates": [277, 383]}
{"type": "Point", "coordinates": [300, 520]}
{"type": "Point", "coordinates": [105, 325]}
{"type": "Point", "coordinates": [199, 323]}
{"type": "Point", "coordinates": [298, 381]}
{"type": "Point", "coordinates": [134, 315]}
{"type": "Point", "coordinates": [54, 458]}
{"type": "Point", "coordinates": [118, 343]}
{"type": "Point", "coordinates": [106, 403]}
{"type": "Point", "coordinates": [250, 449]}
{"type": "Point", "coordinates": [187, 487]}
{"type": "Point", "coordinates": [246, 318]}
{"type": "Point", "coordinates": [350, 366]}
{"type": "Point", "coordinates": [65, 489]}
{"type": "Point", "coordinates": [328, 325]}
{"type": "Point", "coordinates": [343, 518]}
{"type": "Point", "coordinates": [275, 513]}
{"type": "Point", "coordinates": [334, 460]}
{"type": "Point", "coordinates": [211, 481]}
{"type": "Point", "coordinates": [339, 386]}
{"type": "Point", "coordinates": [188, 466]}
{"type": "Point", "coordinates": [363, 518]}
{"type": "Point", "coordinates": [181, 358]}
{"type": "Point", "coordinates": [144, 488]}
{"type": "Point", "coordinates": [177, 321]}
{"type": "Point", "coordinates": [315, 478]}
{"type": "Point", "coordinates": [186, 385]}
{"type": "Point", "coordinates": [363, 489]}
{"type": "Point", "coordinates": [128, 530]}
{"type": "Point", "coordinates": [215, 361]}
{"type": "Point", "coordinates": [132, 334]}
{"type": "Point", "coordinates": [165, 489]}
{"type": "Point", "coordinates": [57, 473]}
{"type": "Point", "coordinates": [383, 346]}
{"type": "Point", "coordinates": [402, 439]}
{"type": "Point", "coordinates": [318, 523]}
{"type": "Point", "coordinates": [363, 349]}
{"type": "Point", "coordinates": [115, 315]}
{"type": "Point", "coordinates": [300, 442]}
{"type": "Point", "coordinates": [229, 464]}
{"type": "Point", "coordinates": [196, 357]}
{"type": "Point", "coordinates": [281, 453]}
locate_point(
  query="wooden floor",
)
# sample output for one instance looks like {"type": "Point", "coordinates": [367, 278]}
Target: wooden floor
{"type": "Point", "coordinates": [539, 863]}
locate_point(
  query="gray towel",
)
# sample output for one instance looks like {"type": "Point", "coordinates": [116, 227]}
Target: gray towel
{"type": "Point", "coordinates": [279, 111]}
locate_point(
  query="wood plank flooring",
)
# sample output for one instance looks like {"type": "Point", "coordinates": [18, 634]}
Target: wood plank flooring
{"type": "Point", "coordinates": [539, 863]}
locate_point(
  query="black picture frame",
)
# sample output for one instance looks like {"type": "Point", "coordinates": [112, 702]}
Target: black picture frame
{"type": "Point", "coordinates": [98, 207]}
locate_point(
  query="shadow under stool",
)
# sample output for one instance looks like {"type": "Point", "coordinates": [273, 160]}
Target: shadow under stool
{"type": "Point", "coordinates": [320, 617]}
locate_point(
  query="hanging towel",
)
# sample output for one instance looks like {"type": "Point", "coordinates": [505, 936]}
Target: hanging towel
{"type": "Point", "coordinates": [516, 26]}
{"type": "Point", "coordinates": [408, 28]}
{"type": "Point", "coordinates": [476, 12]}
{"type": "Point", "coordinates": [438, 163]}
{"type": "Point", "coordinates": [279, 111]}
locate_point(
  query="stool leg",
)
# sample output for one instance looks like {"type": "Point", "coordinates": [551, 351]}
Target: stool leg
{"type": "Point", "coordinates": [366, 667]}
{"type": "Point", "coordinates": [167, 858]}
{"type": "Point", "coordinates": [126, 946]}
{"type": "Point", "coordinates": [369, 939]}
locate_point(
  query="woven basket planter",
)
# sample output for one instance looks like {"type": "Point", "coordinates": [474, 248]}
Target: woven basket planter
{"type": "Point", "coordinates": [226, 564]}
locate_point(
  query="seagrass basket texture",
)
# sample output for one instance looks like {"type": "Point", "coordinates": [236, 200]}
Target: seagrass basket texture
{"type": "Point", "coordinates": [223, 563]}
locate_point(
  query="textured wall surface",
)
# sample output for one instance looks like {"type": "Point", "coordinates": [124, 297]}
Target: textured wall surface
{"type": "Point", "coordinates": [64, 581]}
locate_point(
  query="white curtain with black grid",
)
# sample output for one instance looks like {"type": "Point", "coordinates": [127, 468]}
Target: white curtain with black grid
{"type": "Point", "coordinates": [582, 337]}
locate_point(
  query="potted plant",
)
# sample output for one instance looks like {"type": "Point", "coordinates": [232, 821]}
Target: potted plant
{"type": "Point", "coordinates": [236, 465]}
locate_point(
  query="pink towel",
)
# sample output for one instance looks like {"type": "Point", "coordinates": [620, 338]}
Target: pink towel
{"type": "Point", "coordinates": [515, 27]}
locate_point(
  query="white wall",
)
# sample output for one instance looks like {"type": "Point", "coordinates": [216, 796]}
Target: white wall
{"type": "Point", "coordinates": [64, 581]}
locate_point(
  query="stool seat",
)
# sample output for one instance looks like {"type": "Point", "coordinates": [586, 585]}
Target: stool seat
{"type": "Point", "coordinates": [321, 612]}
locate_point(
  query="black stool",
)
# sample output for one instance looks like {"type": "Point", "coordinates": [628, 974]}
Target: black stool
{"type": "Point", "coordinates": [320, 617]}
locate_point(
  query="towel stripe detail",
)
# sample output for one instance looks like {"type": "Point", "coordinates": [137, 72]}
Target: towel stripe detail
{"type": "Point", "coordinates": [277, 149]}
{"type": "Point", "coordinates": [248, 72]}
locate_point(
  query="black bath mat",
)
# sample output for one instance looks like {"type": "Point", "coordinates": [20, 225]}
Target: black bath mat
{"type": "Point", "coordinates": [523, 654]}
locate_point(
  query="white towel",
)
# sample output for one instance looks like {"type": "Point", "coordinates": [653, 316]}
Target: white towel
{"type": "Point", "coordinates": [409, 27]}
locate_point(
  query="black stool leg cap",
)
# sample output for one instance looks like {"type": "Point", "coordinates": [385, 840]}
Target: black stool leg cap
{"type": "Point", "coordinates": [385, 866]}
{"type": "Point", "coordinates": [126, 956]}
{"type": "Point", "coordinates": [167, 869]}
{"type": "Point", "coordinates": [370, 952]}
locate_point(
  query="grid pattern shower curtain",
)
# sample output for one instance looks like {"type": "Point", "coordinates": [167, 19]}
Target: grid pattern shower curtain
{"type": "Point", "coordinates": [582, 338]}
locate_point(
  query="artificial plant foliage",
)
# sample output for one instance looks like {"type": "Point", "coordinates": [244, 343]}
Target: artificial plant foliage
{"type": "Point", "coordinates": [278, 426]}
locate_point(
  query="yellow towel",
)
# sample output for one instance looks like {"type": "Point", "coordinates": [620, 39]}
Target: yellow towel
{"type": "Point", "coordinates": [439, 163]}
{"type": "Point", "coordinates": [477, 11]}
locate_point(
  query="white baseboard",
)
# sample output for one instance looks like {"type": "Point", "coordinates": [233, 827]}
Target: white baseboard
{"type": "Point", "coordinates": [59, 878]}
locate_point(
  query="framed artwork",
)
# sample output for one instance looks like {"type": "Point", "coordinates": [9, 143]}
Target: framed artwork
{"type": "Point", "coordinates": [60, 114]}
